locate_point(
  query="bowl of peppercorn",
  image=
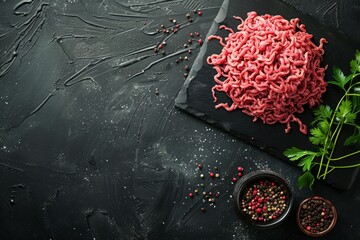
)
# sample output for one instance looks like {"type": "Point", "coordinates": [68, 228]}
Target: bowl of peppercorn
{"type": "Point", "coordinates": [263, 198]}
{"type": "Point", "coordinates": [316, 216]}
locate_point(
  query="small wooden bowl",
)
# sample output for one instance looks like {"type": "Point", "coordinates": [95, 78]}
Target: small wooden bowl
{"type": "Point", "coordinates": [331, 225]}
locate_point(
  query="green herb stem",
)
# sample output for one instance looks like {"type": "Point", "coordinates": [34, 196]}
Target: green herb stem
{"type": "Point", "coordinates": [345, 156]}
{"type": "Point", "coordinates": [346, 166]}
{"type": "Point", "coordinates": [333, 167]}
{"type": "Point", "coordinates": [325, 173]}
{"type": "Point", "coordinates": [327, 136]}
{"type": "Point", "coordinates": [332, 149]}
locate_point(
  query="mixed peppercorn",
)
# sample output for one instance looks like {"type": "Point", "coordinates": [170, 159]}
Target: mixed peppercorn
{"type": "Point", "coordinates": [263, 201]}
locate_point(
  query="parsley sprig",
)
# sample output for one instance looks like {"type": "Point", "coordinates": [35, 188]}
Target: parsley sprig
{"type": "Point", "coordinates": [327, 126]}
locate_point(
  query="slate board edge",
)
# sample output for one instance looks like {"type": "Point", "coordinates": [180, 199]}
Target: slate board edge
{"type": "Point", "coordinates": [181, 99]}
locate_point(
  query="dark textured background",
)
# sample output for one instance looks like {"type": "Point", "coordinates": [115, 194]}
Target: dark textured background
{"type": "Point", "coordinates": [91, 145]}
{"type": "Point", "coordinates": [341, 15]}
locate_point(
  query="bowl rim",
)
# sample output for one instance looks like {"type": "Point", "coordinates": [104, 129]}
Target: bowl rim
{"type": "Point", "coordinates": [257, 175]}
{"type": "Point", "coordinates": [332, 224]}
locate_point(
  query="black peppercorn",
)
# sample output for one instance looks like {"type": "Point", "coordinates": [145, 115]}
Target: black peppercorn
{"type": "Point", "coordinates": [315, 216]}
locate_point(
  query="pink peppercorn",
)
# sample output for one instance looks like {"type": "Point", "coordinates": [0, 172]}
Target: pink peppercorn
{"type": "Point", "coordinates": [191, 195]}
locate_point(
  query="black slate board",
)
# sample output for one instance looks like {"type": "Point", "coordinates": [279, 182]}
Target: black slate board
{"type": "Point", "coordinates": [195, 96]}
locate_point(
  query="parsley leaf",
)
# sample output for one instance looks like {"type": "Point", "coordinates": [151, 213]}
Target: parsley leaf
{"type": "Point", "coordinates": [344, 109]}
{"type": "Point", "coordinates": [339, 77]}
{"type": "Point", "coordinates": [354, 66]}
{"type": "Point", "coordinates": [353, 139]}
{"type": "Point", "coordinates": [306, 180]}
{"type": "Point", "coordinates": [355, 63]}
{"type": "Point", "coordinates": [305, 157]}
{"type": "Point", "coordinates": [305, 163]}
{"type": "Point", "coordinates": [295, 154]}
{"type": "Point", "coordinates": [350, 117]}
{"type": "Point", "coordinates": [318, 136]}
{"type": "Point", "coordinates": [324, 126]}
{"type": "Point", "coordinates": [323, 112]}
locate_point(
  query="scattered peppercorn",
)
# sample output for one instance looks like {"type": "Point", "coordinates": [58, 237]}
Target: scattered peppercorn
{"type": "Point", "coordinates": [201, 41]}
{"type": "Point", "coordinates": [199, 13]}
{"type": "Point", "coordinates": [240, 169]}
{"type": "Point", "coordinates": [239, 174]}
{"type": "Point", "coordinates": [187, 67]}
{"type": "Point", "coordinates": [207, 197]}
{"type": "Point", "coordinates": [203, 209]}
{"type": "Point", "coordinates": [186, 58]}
{"type": "Point", "coordinates": [234, 179]}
